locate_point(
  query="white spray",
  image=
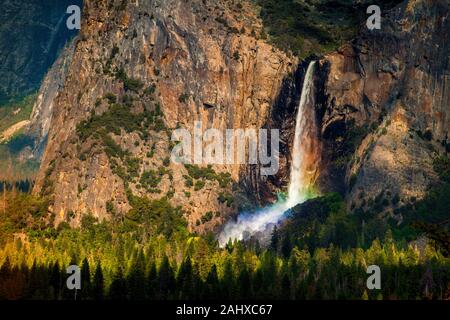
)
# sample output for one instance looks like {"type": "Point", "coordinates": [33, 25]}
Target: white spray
{"type": "Point", "coordinates": [249, 224]}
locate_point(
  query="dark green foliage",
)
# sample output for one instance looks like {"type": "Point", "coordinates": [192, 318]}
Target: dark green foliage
{"type": "Point", "coordinates": [396, 199]}
{"type": "Point", "coordinates": [150, 179]}
{"type": "Point", "coordinates": [224, 179]}
{"type": "Point", "coordinates": [86, 292]}
{"type": "Point", "coordinates": [345, 140]}
{"type": "Point", "coordinates": [199, 184]}
{"type": "Point", "coordinates": [118, 288]}
{"type": "Point", "coordinates": [166, 161]}
{"type": "Point", "coordinates": [442, 167]}
{"type": "Point", "coordinates": [226, 198]}
{"type": "Point", "coordinates": [437, 234]}
{"type": "Point", "coordinates": [353, 137]}
{"type": "Point", "coordinates": [314, 27]}
{"type": "Point", "coordinates": [150, 90]}
{"type": "Point", "coordinates": [324, 273]}
{"type": "Point", "coordinates": [185, 280]}
{"type": "Point", "coordinates": [26, 212]}
{"type": "Point", "coordinates": [110, 207]}
{"type": "Point", "coordinates": [166, 279]}
{"type": "Point", "coordinates": [151, 153]}
{"type": "Point", "coordinates": [321, 222]}
{"type": "Point", "coordinates": [207, 217]}
{"type": "Point", "coordinates": [188, 182]}
{"type": "Point", "coordinates": [206, 173]}
{"type": "Point", "coordinates": [212, 285]}
{"type": "Point", "coordinates": [275, 240]}
{"type": "Point", "coordinates": [116, 118]}
{"type": "Point", "coordinates": [130, 84]}
{"type": "Point", "coordinates": [159, 125]}
{"type": "Point", "coordinates": [196, 172]}
{"type": "Point", "coordinates": [16, 110]}
{"type": "Point", "coordinates": [98, 286]}
{"type": "Point", "coordinates": [111, 97]}
{"type": "Point", "coordinates": [136, 278]}
{"type": "Point", "coordinates": [157, 216]}
{"type": "Point", "coordinates": [112, 149]}
{"type": "Point", "coordinates": [151, 281]}
{"type": "Point", "coordinates": [319, 252]}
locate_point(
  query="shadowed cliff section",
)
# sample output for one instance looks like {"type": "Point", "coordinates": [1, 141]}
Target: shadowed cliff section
{"type": "Point", "coordinates": [32, 36]}
{"type": "Point", "coordinates": [32, 33]}
{"type": "Point", "coordinates": [318, 26]}
{"type": "Point", "coordinates": [384, 108]}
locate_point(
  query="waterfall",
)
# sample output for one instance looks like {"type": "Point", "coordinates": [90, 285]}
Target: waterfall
{"type": "Point", "coordinates": [299, 170]}
{"type": "Point", "coordinates": [303, 171]}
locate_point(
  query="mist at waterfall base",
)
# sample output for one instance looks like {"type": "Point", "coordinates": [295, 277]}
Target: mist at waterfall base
{"type": "Point", "coordinates": [260, 224]}
{"type": "Point", "coordinates": [257, 224]}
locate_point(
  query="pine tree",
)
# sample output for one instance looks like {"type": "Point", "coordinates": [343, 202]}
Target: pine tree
{"type": "Point", "coordinates": [98, 283]}
{"type": "Point", "coordinates": [86, 288]}
{"type": "Point", "coordinates": [245, 284]}
{"type": "Point", "coordinates": [136, 278]}
{"type": "Point", "coordinates": [285, 287]}
{"type": "Point", "coordinates": [228, 281]}
{"type": "Point", "coordinates": [286, 247]}
{"type": "Point", "coordinates": [185, 279]}
{"type": "Point", "coordinates": [270, 278]}
{"type": "Point", "coordinates": [197, 283]}
{"type": "Point", "coordinates": [212, 286]}
{"type": "Point", "coordinates": [258, 284]}
{"type": "Point", "coordinates": [55, 281]}
{"type": "Point", "coordinates": [275, 240]}
{"type": "Point", "coordinates": [166, 279]}
{"type": "Point", "coordinates": [5, 274]}
{"type": "Point", "coordinates": [118, 288]}
{"type": "Point", "coordinates": [37, 283]}
{"type": "Point", "coordinates": [151, 281]}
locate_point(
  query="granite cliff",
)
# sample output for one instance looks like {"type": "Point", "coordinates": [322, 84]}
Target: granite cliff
{"type": "Point", "coordinates": [140, 70]}
{"type": "Point", "coordinates": [385, 108]}
{"type": "Point", "coordinates": [167, 63]}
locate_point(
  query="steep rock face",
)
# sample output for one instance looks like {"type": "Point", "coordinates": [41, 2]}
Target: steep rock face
{"type": "Point", "coordinates": [283, 116]}
{"type": "Point", "coordinates": [385, 107]}
{"type": "Point", "coordinates": [41, 115]}
{"type": "Point", "coordinates": [32, 33]}
{"type": "Point", "coordinates": [194, 61]}
{"type": "Point", "coordinates": [23, 142]}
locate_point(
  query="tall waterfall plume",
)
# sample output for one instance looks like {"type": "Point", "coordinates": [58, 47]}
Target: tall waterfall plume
{"type": "Point", "coordinates": [304, 164]}
{"type": "Point", "coordinates": [305, 149]}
